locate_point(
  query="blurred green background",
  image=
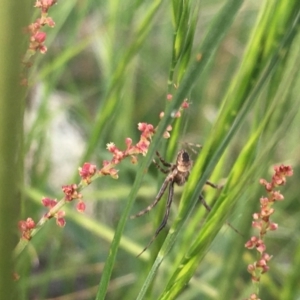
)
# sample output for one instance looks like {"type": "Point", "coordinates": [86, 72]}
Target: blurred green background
{"type": "Point", "coordinates": [107, 69]}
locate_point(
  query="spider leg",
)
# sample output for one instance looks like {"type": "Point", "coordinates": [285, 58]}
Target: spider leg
{"type": "Point", "coordinates": [215, 186]}
{"type": "Point", "coordinates": [165, 219]}
{"type": "Point", "coordinates": [168, 208]}
{"type": "Point", "coordinates": [202, 200]}
{"type": "Point", "coordinates": [208, 208]}
{"type": "Point", "coordinates": [157, 198]}
{"type": "Point", "coordinates": [192, 146]}
{"type": "Point", "coordinates": [160, 168]}
{"type": "Point", "coordinates": [166, 164]}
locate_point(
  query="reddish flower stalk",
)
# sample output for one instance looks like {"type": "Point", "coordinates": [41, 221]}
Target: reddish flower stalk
{"type": "Point", "coordinates": [88, 173]}
{"type": "Point", "coordinates": [37, 36]}
{"type": "Point", "coordinates": [262, 222]}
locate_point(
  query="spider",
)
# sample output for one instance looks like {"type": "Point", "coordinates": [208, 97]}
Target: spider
{"type": "Point", "coordinates": [177, 173]}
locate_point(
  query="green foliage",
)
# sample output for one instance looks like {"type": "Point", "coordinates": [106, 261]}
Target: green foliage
{"type": "Point", "coordinates": [110, 66]}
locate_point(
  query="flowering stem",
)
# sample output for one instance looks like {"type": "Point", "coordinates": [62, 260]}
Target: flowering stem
{"type": "Point", "coordinates": [262, 222]}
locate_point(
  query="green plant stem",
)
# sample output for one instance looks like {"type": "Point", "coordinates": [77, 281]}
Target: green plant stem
{"type": "Point", "coordinates": [11, 135]}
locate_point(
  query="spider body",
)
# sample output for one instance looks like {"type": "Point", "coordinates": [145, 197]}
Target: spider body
{"type": "Point", "coordinates": [176, 173]}
{"type": "Point", "coordinates": [182, 168]}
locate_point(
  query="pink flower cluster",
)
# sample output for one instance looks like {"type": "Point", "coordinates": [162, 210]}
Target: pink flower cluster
{"type": "Point", "coordinates": [140, 148]}
{"type": "Point", "coordinates": [37, 36]}
{"type": "Point", "coordinates": [71, 194]}
{"type": "Point", "coordinates": [131, 150]}
{"type": "Point", "coordinates": [44, 5]}
{"type": "Point", "coordinates": [88, 172]}
{"type": "Point", "coordinates": [262, 222]}
{"type": "Point", "coordinates": [26, 227]}
{"type": "Point", "coordinates": [58, 215]}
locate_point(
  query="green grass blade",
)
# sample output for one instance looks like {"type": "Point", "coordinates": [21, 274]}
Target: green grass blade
{"type": "Point", "coordinates": [212, 40]}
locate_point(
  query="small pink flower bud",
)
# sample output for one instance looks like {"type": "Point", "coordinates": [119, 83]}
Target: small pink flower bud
{"type": "Point", "coordinates": [251, 268]}
{"type": "Point", "coordinates": [80, 206]}
{"type": "Point", "coordinates": [256, 216]}
{"type": "Point", "coordinates": [277, 195]}
{"type": "Point", "coordinates": [142, 126]}
{"type": "Point", "coordinates": [264, 201]}
{"type": "Point", "coordinates": [50, 22]}
{"type": "Point", "coordinates": [111, 147]}
{"type": "Point", "coordinates": [261, 263]}
{"type": "Point", "coordinates": [60, 214]}
{"type": "Point", "coordinates": [261, 247]}
{"type": "Point", "coordinates": [265, 212]}
{"type": "Point", "coordinates": [22, 225]}
{"type": "Point", "coordinates": [278, 179]}
{"type": "Point", "coordinates": [268, 186]}
{"type": "Point", "coordinates": [257, 225]}
{"type": "Point", "coordinates": [70, 192]}
{"type": "Point", "coordinates": [142, 147]}
{"type": "Point", "coordinates": [30, 223]}
{"type": "Point", "coordinates": [47, 202]}
{"type": "Point", "coordinates": [185, 104]}
{"type": "Point", "coordinates": [266, 256]}
{"type": "Point", "coordinates": [177, 114]}
{"type": "Point", "coordinates": [252, 242]}
{"type": "Point", "coordinates": [128, 142]}
{"type": "Point", "coordinates": [273, 226]}
{"type": "Point", "coordinates": [61, 222]}
{"type": "Point", "coordinates": [265, 269]}
{"type": "Point", "coordinates": [43, 49]}
{"type": "Point", "coordinates": [262, 181]}
{"type": "Point", "coordinates": [25, 227]}
{"type": "Point", "coordinates": [87, 171]}
{"type": "Point", "coordinates": [169, 97]}
{"type": "Point", "coordinates": [254, 297]}
{"type": "Point", "coordinates": [40, 37]}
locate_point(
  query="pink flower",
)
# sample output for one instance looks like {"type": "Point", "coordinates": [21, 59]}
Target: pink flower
{"type": "Point", "coordinates": [61, 222]}
{"type": "Point", "coordinates": [169, 97]}
{"type": "Point", "coordinates": [39, 37]}
{"type": "Point", "coordinates": [87, 171]}
{"type": "Point", "coordinates": [26, 227]}
{"type": "Point", "coordinates": [128, 142]}
{"type": "Point", "coordinates": [185, 104]}
{"type": "Point", "coordinates": [80, 206]}
{"type": "Point", "coordinates": [47, 202]}
{"type": "Point", "coordinates": [70, 192]}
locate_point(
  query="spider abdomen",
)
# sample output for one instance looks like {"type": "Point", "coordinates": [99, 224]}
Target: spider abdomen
{"type": "Point", "coordinates": [181, 178]}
